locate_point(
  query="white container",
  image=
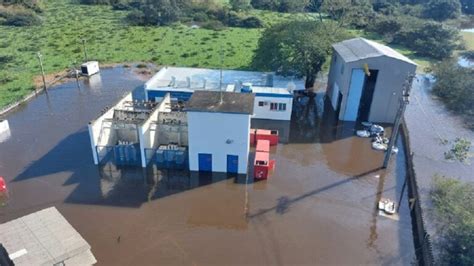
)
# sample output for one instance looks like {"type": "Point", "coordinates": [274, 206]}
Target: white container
{"type": "Point", "coordinates": [90, 68]}
{"type": "Point", "coordinates": [4, 131]}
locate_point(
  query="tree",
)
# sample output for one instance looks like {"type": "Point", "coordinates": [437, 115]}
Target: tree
{"type": "Point", "coordinates": [239, 4]}
{"type": "Point", "coordinates": [292, 5]}
{"type": "Point", "coordinates": [298, 48]}
{"type": "Point", "coordinates": [427, 38]}
{"type": "Point", "coordinates": [336, 9]}
{"type": "Point", "coordinates": [441, 10]}
{"type": "Point", "coordinates": [155, 12]}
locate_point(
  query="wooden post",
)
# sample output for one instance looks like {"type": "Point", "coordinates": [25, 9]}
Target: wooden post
{"type": "Point", "coordinates": [40, 58]}
{"type": "Point", "coordinates": [84, 48]}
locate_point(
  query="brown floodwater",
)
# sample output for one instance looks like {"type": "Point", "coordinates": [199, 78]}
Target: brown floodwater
{"type": "Point", "coordinates": [319, 206]}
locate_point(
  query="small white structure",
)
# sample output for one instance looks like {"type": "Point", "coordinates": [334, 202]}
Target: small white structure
{"type": "Point", "coordinates": [219, 131]}
{"type": "Point", "coordinates": [4, 130]}
{"type": "Point", "coordinates": [45, 238]}
{"type": "Point", "coordinates": [90, 68]}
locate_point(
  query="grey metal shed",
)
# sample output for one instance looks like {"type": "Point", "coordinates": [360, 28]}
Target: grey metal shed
{"type": "Point", "coordinates": [366, 80]}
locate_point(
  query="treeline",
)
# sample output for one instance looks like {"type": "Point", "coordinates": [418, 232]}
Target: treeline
{"type": "Point", "coordinates": [19, 13]}
{"type": "Point", "coordinates": [207, 13]}
{"type": "Point", "coordinates": [416, 24]}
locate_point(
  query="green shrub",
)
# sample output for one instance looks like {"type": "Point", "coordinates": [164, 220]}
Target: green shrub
{"type": "Point", "coordinates": [214, 25]}
{"type": "Point", "coordinates": [22, 19]}
{"type": "Point", "coordinates": [453, 202]}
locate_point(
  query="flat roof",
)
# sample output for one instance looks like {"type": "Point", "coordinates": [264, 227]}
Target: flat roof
{"type": "Point", "coordinates": [210, 101]}
{"type": "Point", "coordinates": [197, 76]}
{"type": "Point", "coordinates": [44, 238]}
{"type": "Point", "coordinates": [359, 48]}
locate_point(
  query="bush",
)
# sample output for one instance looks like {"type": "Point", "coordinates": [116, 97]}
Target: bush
{"type": "Point", "coordinates": [453, 202]}
{"type": "Point", "coordinates": [455, 86]}
{"type": "Point", "coordinates": [136, 17]}
{"type": "Point", "coordinates": [213, 25]}
{"type": "Point", "coordinates": [22, 19]}
{"type": "Point", "coordinates": [200, 16]}
{"type": "Point", "coordinates": [252, 22]}
{"type": "Point", "coordinates": [468, 54]}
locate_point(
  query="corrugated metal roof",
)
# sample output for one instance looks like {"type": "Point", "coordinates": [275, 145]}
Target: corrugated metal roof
{"type": "Point", "coordinates": [232, 102]}
{"type": "Point", "coordinates": [359, 48]}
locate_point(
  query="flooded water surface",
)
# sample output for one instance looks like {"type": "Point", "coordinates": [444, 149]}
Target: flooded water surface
{"type": "Point", "coordinates": [319, 206]}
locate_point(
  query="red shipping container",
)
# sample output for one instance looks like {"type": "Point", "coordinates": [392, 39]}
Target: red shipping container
{"type": "Point", "coordinates": [263, 146]}
{"type": "Point", "coordinates": [271, 135]}
{"type": "Point", "coordinates": [261, 165]}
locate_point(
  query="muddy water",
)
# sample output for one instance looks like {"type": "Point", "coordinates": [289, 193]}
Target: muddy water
{"type": "Point", "coordinates": [319, 207]}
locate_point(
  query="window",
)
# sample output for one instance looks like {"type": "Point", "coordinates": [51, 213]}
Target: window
{"type": "Point", "coordinates": [273, 106]}
{"type": "Point", "coordinates": [282, 107]}
{"type": "Point", "coordinates": [261, 103]}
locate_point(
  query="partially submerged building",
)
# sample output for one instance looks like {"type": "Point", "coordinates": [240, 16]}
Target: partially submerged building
{"type": "Point", "coordinates": [273, 93]}
{"type": "Point", "coordinates": [219, 131]}
{"type": "Point", "coordinates": [366, 80]}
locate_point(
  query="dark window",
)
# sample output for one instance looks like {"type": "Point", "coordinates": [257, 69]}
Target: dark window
{"type": "Point", "coordinates": [282, 106]}
{"type": "Point", "coordinates": [261, 103]}
{"type": "Point", "coordinates": [273, 106]}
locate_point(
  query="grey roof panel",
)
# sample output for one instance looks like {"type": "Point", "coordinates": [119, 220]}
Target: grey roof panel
{"type": "Point", "coordinates": [232, 102]}
{"type": "Point", "coordinates": [359, 48]}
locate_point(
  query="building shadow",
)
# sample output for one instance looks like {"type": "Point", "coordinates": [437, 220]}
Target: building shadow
{"type": "Point", "coordinates": [110, 185]}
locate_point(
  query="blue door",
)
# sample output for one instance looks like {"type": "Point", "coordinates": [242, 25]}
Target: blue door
{"type": "Point", "coordinates": [232, 164]}
{"type": "Point", "coordinates": [205, 162]}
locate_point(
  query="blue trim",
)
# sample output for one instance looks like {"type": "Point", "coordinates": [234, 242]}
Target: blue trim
{"type": "Point", "coordinates": [180, 95]}
{"type": "Point", "coordinates": [273, 95]}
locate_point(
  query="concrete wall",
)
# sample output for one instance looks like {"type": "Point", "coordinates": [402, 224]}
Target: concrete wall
{"type": "Point", "coordinates": [264, 112]}
{"type": "Point", "coordinates": [148, 130]}
{"type": "Point", "coordinates": [388, 89]}
{"type": "Point", "coordinates": [210, 132]}
{"type": "Point", "coordinates": [95, 128]}
{"type": "Point", "coordinates": [173, 127]}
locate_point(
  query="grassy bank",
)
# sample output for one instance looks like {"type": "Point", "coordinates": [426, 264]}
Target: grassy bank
{"type": "Point", "coordinates": [109, 40]}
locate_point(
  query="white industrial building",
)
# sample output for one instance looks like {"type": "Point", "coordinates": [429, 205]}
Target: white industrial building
{"type": "Point", "coordinates": [219, 131]}
{"type": "Point", "coordinates": [273, 93]}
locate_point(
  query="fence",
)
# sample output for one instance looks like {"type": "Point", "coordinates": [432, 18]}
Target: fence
{"type": "Point", "coordinates": [120, 155]}
{"type": "Point", "coordinates": [423, 246]}
{"type": "Point", "coordinates": [168, 158]}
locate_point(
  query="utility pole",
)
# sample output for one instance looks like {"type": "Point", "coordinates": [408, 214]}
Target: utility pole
{"type": "Point", "coordinates": [40, 58]}
{"type": "Point", "coordinates": [84, 48]}
{"type": "Point", "coordinates": [220, 78]}
{"type": "Point", "coordinates": [404, 100]}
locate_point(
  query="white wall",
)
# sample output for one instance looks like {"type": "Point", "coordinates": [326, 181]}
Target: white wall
{"type": "Point", "coordinates": [148, 130]}
{"type": "Point", "coordinates": [96, 125]}
{"type": "Point", "coordinates": [208, 133]}
{"type": "Point", "coordinates": [264, 112]}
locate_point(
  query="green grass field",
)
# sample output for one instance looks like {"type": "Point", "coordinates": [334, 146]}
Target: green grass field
{"type": "Point", "coordinates": [110, 40]}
